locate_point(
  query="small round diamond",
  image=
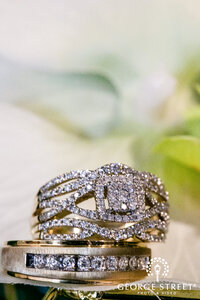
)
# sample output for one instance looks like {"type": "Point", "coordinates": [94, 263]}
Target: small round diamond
{"type": "Point", "coordinates": [123, 263]}
{"type": "Point", "coordinates": [89, 187]}
{"type": "Point", "coordinates": [52, 262]}
{"type": "Point", "coordinates": [76, 195]}
{"type": "Point", "coordinates": [39, 261]}
{"type": "Point", "coordinates": [98, 263]}
{"type": "Point", "coordinates": [112, 263]}
{"type": "Point", "coordinates": [118, 218]}
{"type": "Point", "coordinates": [133, 205]}
{"type": "Point", "coordinates": [123, 206]}
{"type": "Point", "coordinates": [142, 263]}
{"type": "Point", "coordinates": [133, 263]}
{"type": "Point", "coordinates": [83, 263]}
{"type": "Point", "coordinates": [68, 263]}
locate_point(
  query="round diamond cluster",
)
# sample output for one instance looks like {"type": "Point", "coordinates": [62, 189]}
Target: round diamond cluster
{"type": "Point", "coordinates": [85, 263]}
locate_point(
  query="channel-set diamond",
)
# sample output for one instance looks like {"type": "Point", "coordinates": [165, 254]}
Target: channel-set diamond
{"type": "Point", "coordinates": [123, 263]}
{"type": "Point", "coordinates": [53, 262]}
{"type": "Point", "coordinates": [68, 263]}
{"type": "Point", "coordinates": [112, 263]}
{"type": "Point", "coordinates": [98, 263]}
{"type": "Point", "coordinates": [86, 263]}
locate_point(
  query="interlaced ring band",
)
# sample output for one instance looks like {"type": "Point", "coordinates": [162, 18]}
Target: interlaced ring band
{"type": "Point", "coordinates": [127, 204]}
{"type": "Point", "coordinates": [75, 261]}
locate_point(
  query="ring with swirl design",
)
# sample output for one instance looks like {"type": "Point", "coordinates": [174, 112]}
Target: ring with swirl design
{"type": "Point", "coordinates": [124, 204]}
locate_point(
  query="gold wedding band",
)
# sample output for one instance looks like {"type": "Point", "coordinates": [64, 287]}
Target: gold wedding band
{"type": "Point", "coordinates": [100, 263]}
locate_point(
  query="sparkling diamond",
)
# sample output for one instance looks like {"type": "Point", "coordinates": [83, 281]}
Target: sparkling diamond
{"type": "Point", "coordinates": [92, 176]}
{"type": "Point", "coordinates": [83, 263]}
{"type": "Point", "coordinates": [142, 263]}
{"type": "Point", "coordinates": [89, 187]}
{"type": "Point", "coordinates": [125, 219]}
{"type": "Point", "coordinates": [74, 174]}
{"type": "Point", "coordinates": [83, 173]}
{"type": "Point", "coordinates": [133, 205]}
{"type": "Point", "coordinates": [98, 263]}
{"type": "Point", "coordinates": [123, 263]}
{"type": "Point", "coordinates": [76, 195]}
{"type": "Point", "coordinates": [111, 217]}
{"type": "Point", "coordinates": [94, 228]}
{"type": "Point", "coordinates": [129, 232]}
{"type": "Point", "coordinates": [39, 261]}
{"type": "Point", "coordinates": [112, 263]}
{"type": "Point", "coordinates": [123, 206]}
{"type": "Point", "coordinates": [53, 262]}
{"type": "Point", "coordinates": [133, 263]}
{"type": "Point", "coordinates": [68, 263]}
{"type": "Point", "coordinates": [118, 218]}
{"type": "Point", "coordinates": [92, 214]}
{"type": "Point", "coordinates": [103, 231]}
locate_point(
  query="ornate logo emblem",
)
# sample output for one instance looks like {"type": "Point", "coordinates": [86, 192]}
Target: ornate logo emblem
{"type": "Point", "coordinates": [158, 267]}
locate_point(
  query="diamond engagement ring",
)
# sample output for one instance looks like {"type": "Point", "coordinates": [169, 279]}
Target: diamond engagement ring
{"type": "Point", "coordinates": [90, 228]}
{"type": "Point", "coordinates": [114, 202]}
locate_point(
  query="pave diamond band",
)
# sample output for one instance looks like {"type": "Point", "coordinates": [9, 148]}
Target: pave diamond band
{"type": "Point", "coordinates": [128, 205]}
{"type": "Point", "coordinates": [90, 229]}
{"type": "Point", "coordinates": [76, 262]}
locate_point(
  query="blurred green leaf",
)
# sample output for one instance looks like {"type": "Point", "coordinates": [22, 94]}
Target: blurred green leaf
{"type": "Point", "coordinates": [177, 161]}
{"type": "Point", "coordinates": [86, 80]}
{"type": "Point", "coordinates": [86, 103]}
{"type": "Point", "coordinates": [178, 164]}
{"type": "Point", "coordinates": [183, 149]}
{"type": "Point", "coordinates": [192, 124]}
{"type": "Point", "coordinates": [182, 182]}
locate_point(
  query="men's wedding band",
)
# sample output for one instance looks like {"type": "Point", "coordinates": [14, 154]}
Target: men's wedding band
{"type": "Point", "coordinates": [76, 262]}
